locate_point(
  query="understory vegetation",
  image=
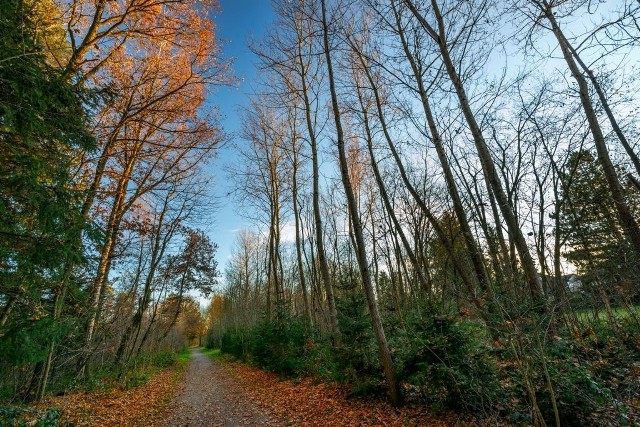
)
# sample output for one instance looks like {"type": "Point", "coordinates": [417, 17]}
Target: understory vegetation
{"type": "Point", "coordinates": [104, 136]}
{"type": "Point", "coordinates": [587, 374]}
{"type": "Point", "coordinates": [445, 199]}
{"type": "Point", "coordinates": [441, 199]}
{"type": "Point", "coordinates": [92, 389]}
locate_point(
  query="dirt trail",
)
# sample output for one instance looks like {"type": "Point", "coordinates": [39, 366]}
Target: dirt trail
{"type": "Point", "coordinates": [210, 397]}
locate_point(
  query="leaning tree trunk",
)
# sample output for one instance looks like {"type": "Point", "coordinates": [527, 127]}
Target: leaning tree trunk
{"type": "Point", "coordinates": [446, 242]}
{"type": "Point", "coordinates": [385, 199]}
{"type": "Point", "coordinates": [484, 154]}
{"type": "Point", "coordinates": [361, 255]}
{"type": "Point", "coordinates": [627, 220]}
{"type": "Point", "coordinates": [475, 254]}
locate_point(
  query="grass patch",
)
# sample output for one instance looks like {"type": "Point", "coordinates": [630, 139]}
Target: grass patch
{"type": "Point", "coordinates": [138, 373]}
{"type": "Point", "coordinates": [217, 355]}
{"type": "Point", "coordinates": [182, 358]}
{"type": "Point", "coordinates": [619, 313]}
{"type": "Point", "coordinates": [151, 365]}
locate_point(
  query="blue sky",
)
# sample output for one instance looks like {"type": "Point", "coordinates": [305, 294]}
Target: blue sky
{"type": "Point", "coordinates": [238, 22]}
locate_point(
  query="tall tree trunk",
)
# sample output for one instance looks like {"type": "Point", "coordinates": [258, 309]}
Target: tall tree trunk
{"type": "Point", "coordinates": [320, 250]}
{"type": "Point", "coordinates": [106, 254]}
{"type": "Point", "coordinates": [383, 347]}
{"type": "Point", "coordinates": [442, 236]}
{"type": "Point", "coordinates": [299, 238]}
{"type": "Point", "coordinates": [385, 197]}
{"type": "Point", "coordinates": [627, 219]}
{"type": "Point", "coordinates": [484, 155]}
{"type": "Point", "coordinates": [605, 106]}
{"type": "Point", "coordinates": [158, 249]}
{"type": "Point", "coordinates": [6, 311]}
{"type": "Point", "coordinates": [477, 258]}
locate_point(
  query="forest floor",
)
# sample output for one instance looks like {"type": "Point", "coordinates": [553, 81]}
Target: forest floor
{"type": "Point", "coordinates": [214, 390]}
{"type": "Point", "coordinates": [137, 406]}
{"type": "Point", "coordinates": [307, 402]}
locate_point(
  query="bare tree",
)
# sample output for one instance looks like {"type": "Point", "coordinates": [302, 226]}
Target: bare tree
{"type": "Point", "coordinates": [438, 34]}
{"type": "Point", "coordinates": [361, 255]}
{"type": "Point", "coordinates": [574, 63]}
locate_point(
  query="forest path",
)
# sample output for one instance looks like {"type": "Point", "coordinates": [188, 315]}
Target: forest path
{"type": "Point", "coordinates": [211, 397]}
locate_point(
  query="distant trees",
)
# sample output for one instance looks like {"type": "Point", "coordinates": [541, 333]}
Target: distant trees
{"type": "Point", "coordinates": [194, 268]}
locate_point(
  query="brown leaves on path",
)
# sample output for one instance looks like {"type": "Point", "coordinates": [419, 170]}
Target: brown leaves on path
{"type": "Point", "coordinates": [308, 403]}
{"type": "Point", "coordinates": [140, 406]}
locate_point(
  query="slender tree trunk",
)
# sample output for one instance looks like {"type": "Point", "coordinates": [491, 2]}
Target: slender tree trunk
{"type": "Point", "coordinates": [605, 106]}
{"type": "Point", "coordinates": [320, 250]}
{"type": "Point", "coordinates": [6, 311]}
{"type": "Point", "coordinates": [385, 198]}
{"type": "Point", "coordinates": [299, 239]}
{"type": "Point", "coordinates": [477, 258]}
{"type": "Point", "coordinates": [446, 242]}
{"type": "Point", "coordinates": [113, 226]}
{"type": "Point", "coordinates": [383, 346]}
{"type": "Point", "coordinates": [157, 253]}
{"type": "Point", "coordinates": [488, 166]}
{"type": "Point", "coordinates": [627, 219]}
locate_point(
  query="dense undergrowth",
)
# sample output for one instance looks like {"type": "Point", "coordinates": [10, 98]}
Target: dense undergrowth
{"type": "Point", "coordinates": [574, 377]}
{"type": "Point", "coordinates": [138, 372]}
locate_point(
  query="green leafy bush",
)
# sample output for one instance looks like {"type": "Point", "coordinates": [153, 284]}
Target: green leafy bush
{"type": "Point", "coordinates": [446, 361]}
{"type": "Point", "coordinates": [234, 342]}
{"type": "Point", "coordinates": [576, 392]}
{"type": "Point", "coordinates": [164, 359]}
{"type": "Point", "coordinates": [279, 347]}
{"type": "Point", "coordinates": [14, 416]}
{"type": "Point", "coordinates": [585, 372]}
{"type": "Point", "coordinates": [355, 358]}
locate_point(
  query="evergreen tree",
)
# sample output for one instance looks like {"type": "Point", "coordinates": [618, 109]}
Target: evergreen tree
{"type": "Point", "coordinates": [595, 242]}
{"type": "Point", "coordinates": [43, 129]}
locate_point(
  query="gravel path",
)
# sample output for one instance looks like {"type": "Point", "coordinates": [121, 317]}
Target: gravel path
{"type": "Point", "coordinates": [210, 397]}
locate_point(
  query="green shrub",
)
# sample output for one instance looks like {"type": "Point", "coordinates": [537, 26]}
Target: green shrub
{"type": "Point", "coordinates": [355, 359]}
{"type": "Point", "coordinates": [582, 397]}
{"type": "Point", "coordinates": [135, 379]}
{"type": "Point", "coordinates": [318, 358]}
{"type": "Point", "coordinates": [447, 362]}
{"type": "Point", "coordinates": [14, 416]}
{"type": "Point", "coordinates": [211, 341]}
{"type": "Point", "coordinates": [234, 342]}
{"type": "Point", "coordinates": [164, 359]}
{"type": "Point", "coordinates": [280, 347]}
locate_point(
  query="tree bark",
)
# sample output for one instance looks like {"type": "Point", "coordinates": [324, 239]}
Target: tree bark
{"type": "Point", "coordinates": [383, 347]}
{"type": "Point", "coordinates": [484, 155]}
